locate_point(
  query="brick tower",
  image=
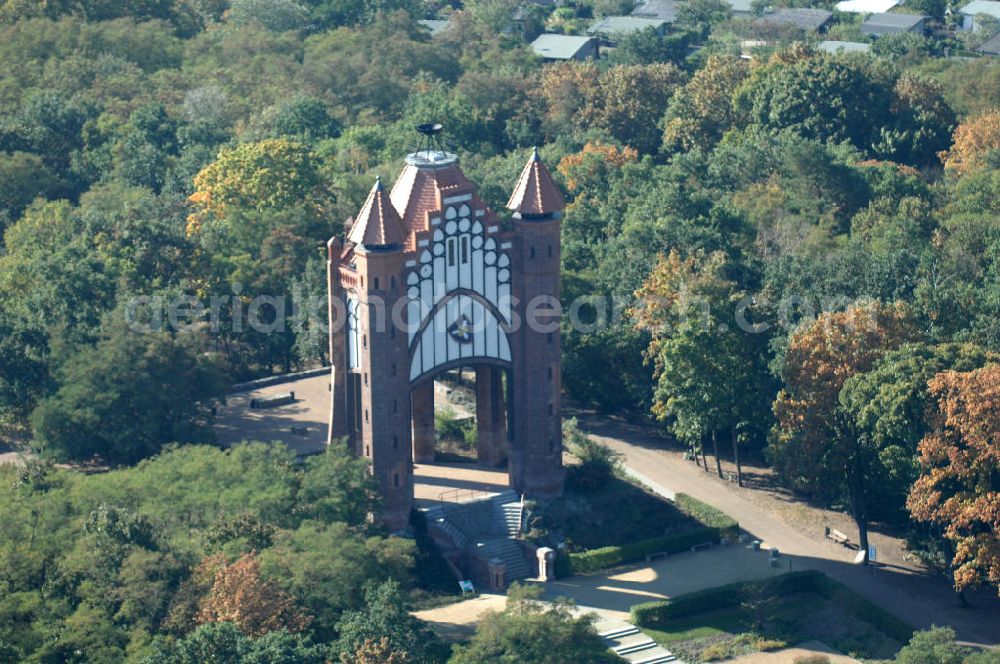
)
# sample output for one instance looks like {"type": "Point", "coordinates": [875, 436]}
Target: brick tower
{"type": "Point", "coordinates": [428, 280]}
{"type": "Point", "coordinates": [536, 455]}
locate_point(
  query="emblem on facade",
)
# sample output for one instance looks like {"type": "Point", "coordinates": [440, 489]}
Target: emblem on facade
{"type": "Point", "coordinates": [461, 330]}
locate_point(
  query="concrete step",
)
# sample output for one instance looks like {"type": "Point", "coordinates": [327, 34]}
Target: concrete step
{"type": "Point", "coordinates": [619, 632]}
{"type": "Point", "coordinates": [510, 553]}
{"type": "Point", "coordinates": [641, 646]}
{"type": "Point", "coordinates": [665, 658]}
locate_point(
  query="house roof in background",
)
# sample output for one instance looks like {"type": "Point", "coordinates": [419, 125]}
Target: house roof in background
{"type": "Point", "coordinates": [891, 22]}
{"type": "Point", "coordinates": [662, 9]}
{"type": "Point", "coordinates": [991, 7]}
{"type": "Point", "coordinates": [436, 26]}
{"type": "Point", "coordinates": [559, 47]}
{"type": "Point", "coordinates": [991, 46]}
{"type": "Point", "coordinates": [804, 19]}
{"type": "Point", "coordinates": [866, 6]}
{"type": "Point", "coordinates": [843, 47]}
{"type": "Point", "coordinates": [740, 6]}
{"type": "Point", "coordinates": [624, 25]}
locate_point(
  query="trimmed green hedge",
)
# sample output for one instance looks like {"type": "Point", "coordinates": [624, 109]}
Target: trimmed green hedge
{"type": "Point", "coordinates": [716, 526]}
{"type": "Point", "coordinates": [610, 556]}
{"type": "Point", "coordinates": [658, 615]}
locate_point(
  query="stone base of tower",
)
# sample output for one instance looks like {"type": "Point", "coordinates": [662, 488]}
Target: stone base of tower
{"type": "Point", "coordinates": [424, 436]}
{"type": "Point", "coordinates": [491, 420]}
{"type": "Point", "coordinates": [542, 479]}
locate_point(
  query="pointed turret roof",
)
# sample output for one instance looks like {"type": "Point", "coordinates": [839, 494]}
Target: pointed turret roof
{"type": "Point", "coordinates": [536, 193]}
{"type": "Point", "coordinates": [378, 223]}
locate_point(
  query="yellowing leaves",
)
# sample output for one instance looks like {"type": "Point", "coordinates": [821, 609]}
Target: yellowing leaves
{"type": "Point", "coordinates": [958, 488]}
{"type": "Point", "coordinates": [272, 173]}
{"type": "Point", "coordinates": [972, 141]}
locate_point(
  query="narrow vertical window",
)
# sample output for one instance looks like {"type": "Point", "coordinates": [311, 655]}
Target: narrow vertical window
{"type": "Point", "coordinates": [465, 249]}
{"type": "Point", "coordinates": [451, 252]}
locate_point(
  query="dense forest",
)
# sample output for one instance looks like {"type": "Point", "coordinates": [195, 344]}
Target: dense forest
{"type": "Point", "coordinates": [791, 255]}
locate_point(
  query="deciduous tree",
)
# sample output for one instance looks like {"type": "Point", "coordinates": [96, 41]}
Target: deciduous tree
{"type": "Point", "coordinates": [958, 487]}
{"type": "Point", "coordinates": [972, 141]}
{"type": "Point", "coordinates": [815, 446]}
{"type": "Point", "coordinates": [711, 374]}
{"type": "Point", "coordinates": [257, 606]}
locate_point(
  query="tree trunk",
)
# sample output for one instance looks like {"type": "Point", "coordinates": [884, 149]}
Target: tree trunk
{"type": "Point", "coordinates": [857, 496]}
{"type": "Point", "coordinates": [949, 552]}
{"type": "Point", "coordinates": [862, 524]}
{"type": "Point", "coordinates": [704, 459]}
{"type": "Point", "coordinates": [736, 456]}
{"type": "Point", "coordinates": [715, 450]}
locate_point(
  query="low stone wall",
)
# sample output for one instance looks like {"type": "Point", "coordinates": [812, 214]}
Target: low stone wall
{"type": "Point", "coordinates": [276, 380]}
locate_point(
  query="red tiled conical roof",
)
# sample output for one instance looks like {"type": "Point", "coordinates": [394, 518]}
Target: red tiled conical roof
{"type": "Point", "coordinates": [536, 193]}
{"type": "Point", "coordinates": [378, 223]}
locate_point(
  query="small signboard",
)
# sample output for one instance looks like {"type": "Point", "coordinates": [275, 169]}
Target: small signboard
{"type": "Point", "coordinates": [872, 553]}
{"type": "Point", "coordinates": [466, 587]}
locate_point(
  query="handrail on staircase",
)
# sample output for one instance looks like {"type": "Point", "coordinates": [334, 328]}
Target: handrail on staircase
{"type": "Point", "coordinates": [456, 495]}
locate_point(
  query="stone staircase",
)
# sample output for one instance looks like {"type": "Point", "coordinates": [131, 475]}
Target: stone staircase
{"type": "Point", "coordinates": [509, 551]}
{"type": "Point", "coordinates": [487, 528]}
{"type": "Point", "coordinates": [633, 646]}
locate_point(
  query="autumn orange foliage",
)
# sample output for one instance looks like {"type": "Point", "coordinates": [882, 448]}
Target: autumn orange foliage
{"type": "Point", "coordinates": [376, 652]}
{"type": "Point", "coordinates": [972, 141]}
{"type": "Point", "coordinates": [591, 158]}
{"type": "Point", "coordinates": [821, 357]}
{"type": "Point", "coordinates": [959, 487]}
{"type": "Point", "coordinates": [241, 596]}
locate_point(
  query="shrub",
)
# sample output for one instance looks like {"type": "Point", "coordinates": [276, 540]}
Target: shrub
{"type": "Point", "coordinates": [812, 658]}
{"type": "Point", "coordinates": [454, 428]}
{"type": "Point", "coordinates": [598, 462]}
{"type": "Point", "coordinates": [715, 652]}
{"type": "Point", "coordinates": [767, 645]}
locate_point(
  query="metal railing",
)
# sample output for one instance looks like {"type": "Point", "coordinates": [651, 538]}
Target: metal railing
{"type": "Point", "coordinates": [464, 495]}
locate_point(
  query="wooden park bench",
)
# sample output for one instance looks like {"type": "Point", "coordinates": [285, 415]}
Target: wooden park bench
{"type": "Point", "coordinates": [837, 536]}
{"type": "Point", "coordinates": [702, 545]}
